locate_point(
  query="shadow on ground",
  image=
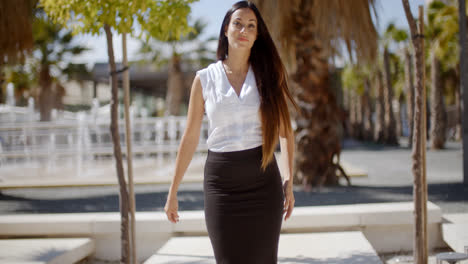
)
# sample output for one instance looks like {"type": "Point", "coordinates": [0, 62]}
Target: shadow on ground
{"type": "Point", "coordinates": [352, 145]}
{"type": "Point", "coordinates": [449, 196]}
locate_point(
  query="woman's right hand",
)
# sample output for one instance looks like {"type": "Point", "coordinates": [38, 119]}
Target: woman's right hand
{"type": "Point", "coordinates": [171, 208]}
{"type": "Point", "coordinates": [188, 145]}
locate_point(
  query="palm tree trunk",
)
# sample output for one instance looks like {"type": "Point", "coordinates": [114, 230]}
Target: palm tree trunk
{"type": "Point", "coordinates": [318, 123]}
{"type": "Point", "coordinates": [114, 129]}
{"type": "Point", "coordinates": [46, 95]}
{"type": "Point", "coordinates": [379, 134]}
{"type": "Point", "coordinates": [353, 115]}
{"type": "Point", "coordinates": [438, 112]}
{"type": "Point", "coordinates": [397, 111]}
{"type": "Point", "coordinates": [347, 113]}
{"type": "Point", "coordinates": [390, 124]}
{"type": "Point", "coordinates": [368, 128]}
{"type": "Point", "coordinates": [398, 118]}
{"type": "Point", "coordinates": [59, 93]}
{"type": "Point", "coordinates": [409, 85]}
{"type": "Point", "coordinates": [360, 116]}
{"type": "Point", "coordinates": [175, 86]}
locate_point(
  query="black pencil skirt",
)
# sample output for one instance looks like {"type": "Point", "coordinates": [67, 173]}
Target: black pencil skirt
{"type": "Point", "coordinates": [243, 207]}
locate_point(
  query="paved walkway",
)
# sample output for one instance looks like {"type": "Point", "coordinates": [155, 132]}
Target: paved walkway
{"type": "Point", "coordinates": [348, 248]}
{"type": "Point", "coordinates": [388, 169]}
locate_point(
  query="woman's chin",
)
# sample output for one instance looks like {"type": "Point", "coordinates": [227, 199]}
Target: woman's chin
{"type": "Point", "coordinates": [241, 46]}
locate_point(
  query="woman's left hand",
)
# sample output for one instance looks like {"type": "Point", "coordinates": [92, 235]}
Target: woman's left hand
{"type": "Point", "coordinates": [288, 199]}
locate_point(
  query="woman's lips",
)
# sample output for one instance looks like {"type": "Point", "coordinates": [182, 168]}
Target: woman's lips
{"type": "Point", "coordinates": [243, 39]}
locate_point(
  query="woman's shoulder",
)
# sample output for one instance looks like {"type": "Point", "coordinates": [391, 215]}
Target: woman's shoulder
{"type": "Point", "coordinates": [211, 70]}
{"type": "Point", "coordinates": [209, 75]}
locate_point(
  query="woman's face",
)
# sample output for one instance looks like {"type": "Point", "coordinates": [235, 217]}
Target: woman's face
{"type": "Point", "coordinates": [242, 29]}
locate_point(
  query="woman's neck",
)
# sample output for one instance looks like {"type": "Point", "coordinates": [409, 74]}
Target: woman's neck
{"type": "Point", "coordinates": [237, 61]}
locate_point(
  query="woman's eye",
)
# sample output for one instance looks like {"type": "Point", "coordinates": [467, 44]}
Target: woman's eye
{"type": "Point", "coordinates": [251, 26]}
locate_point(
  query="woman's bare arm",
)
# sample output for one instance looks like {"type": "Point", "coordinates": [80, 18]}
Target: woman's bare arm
{"type": "Point", "coordinates": [187, 146]}
{"type": "Point", "coordinates": [287, 159]}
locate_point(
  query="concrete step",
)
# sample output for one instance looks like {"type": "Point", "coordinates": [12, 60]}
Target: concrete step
{"type": "Point", "coordinates": [45, 250]}
{"type": "Point", "coordinates": [455, 231]}
{"type": "Point", "coordinates": [392, 221]}
{"type": "Point", "coordinates": [314, 248]}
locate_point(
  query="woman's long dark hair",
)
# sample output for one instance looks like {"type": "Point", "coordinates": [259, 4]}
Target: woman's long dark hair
{"type": "Point", "coordinates": [271, 78]}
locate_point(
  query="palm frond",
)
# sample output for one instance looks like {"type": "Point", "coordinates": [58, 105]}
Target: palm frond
{"type": "Point", "coordinates": [347, 20]}
{"type": "Point", "coordinates": [334, 22]}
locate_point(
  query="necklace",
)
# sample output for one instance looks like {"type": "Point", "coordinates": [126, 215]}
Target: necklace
{"type": "Point", "coordinates": [231, 72]}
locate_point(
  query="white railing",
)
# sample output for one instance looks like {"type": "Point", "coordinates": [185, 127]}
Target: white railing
{"type": "Point", "coordinates": [87, 139]}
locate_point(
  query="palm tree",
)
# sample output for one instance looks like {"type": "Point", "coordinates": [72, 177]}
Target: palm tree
{"type": "Point", "coordinates": [199, 56]}
{"type": "Point", "coordinates": [356, 81]}
{"type": "Point", "coordinates": [355, 129]}
{"type": "Point", "coordinates": [398, 88]}
{"type": "Point", "coordinates": [442, 36]}
{"type": "Point", "coordinates": [399, 37]}
{"type": "Point", "coordinates": [16, 31]}
{"type": "Point", "coordinates": [309, 33]}
{"type": "Point", "coordinates": [438, 112]}
{"type": "Point", "coordinates": [352, 85]}
{"type": "Point", "coordinates": [52, 43]}
{"type": "Point", "coordinates": [379, 132]}
{"type": "Point", "coordinates": [390, 124]}
{"type": "Point", "coordinates": [392, 78]}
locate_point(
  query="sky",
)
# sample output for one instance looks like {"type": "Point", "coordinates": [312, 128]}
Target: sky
{"type": "Point", "coordinates": [212, 12]}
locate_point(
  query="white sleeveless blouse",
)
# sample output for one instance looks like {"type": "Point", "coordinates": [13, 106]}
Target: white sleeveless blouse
{"type": "Point", "coordinates": [234, 121]}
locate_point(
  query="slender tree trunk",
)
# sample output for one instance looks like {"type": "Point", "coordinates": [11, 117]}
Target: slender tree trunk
{"type": "Point", "coordinates": [114, 129]}
{"type": "Point", "coordinates": [458, 113]}
{"type": "Point", "coordinates": [464, 83]}
{"type": "Point", "coordinates": [409, 85]}
{"type": "Point", "coordinates": [318, 125]}
{"type": "Point", "coordinates": [438, 112]}
{"type": "Point", "coordinates": [397, 111]}
{"type": "Point", "coordinates": [46, 95]}
{"type": "Point", "coordinates": [350, 117]}
{"type": "Point", "coordinates": [420, 204]}
{"type": "Point", "coordinates": [128, 138]}
{"type": "Point", "coordinates": [175, 87]}
{"type": "Point", "coordinates": [390, 124]}
{"type": "Point", "coordinates": [398, 122]}
{"type": "Point", "coordinates": [2, 81]}
{"type": "Point", "coordinates": [360, 116]}
{"type": "Point", "coordinates": [368, 127]}
{"type": "Point", "coordinates": [347, 113]}
{"type": "Point", "coordinates": [59, 92]}
{"type": "Point", "coordinates": [379, 135]}
{"type": "Point", "coordinates": [353, 115]}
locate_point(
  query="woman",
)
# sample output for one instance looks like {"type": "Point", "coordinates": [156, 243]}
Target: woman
{"type": "Point", "coordinates": [244, 95]}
